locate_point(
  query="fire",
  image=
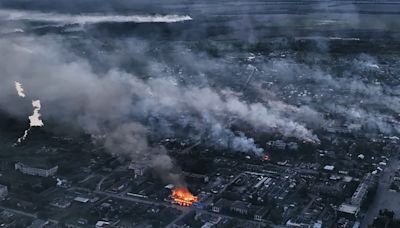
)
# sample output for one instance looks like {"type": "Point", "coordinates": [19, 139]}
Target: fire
{"type": "Point", "coordinates": [183, 197]}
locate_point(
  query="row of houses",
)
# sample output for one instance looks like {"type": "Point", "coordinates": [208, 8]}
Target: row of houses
{"type": "Point", "coordinates": [242, 208]}
{"type": "Point", "coordinates": [351, 210]}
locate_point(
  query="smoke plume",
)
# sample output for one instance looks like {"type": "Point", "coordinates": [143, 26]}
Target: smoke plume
{"type": "Point", "coordinates": [65, 19]}
{"type": "Point", "coordinates": [34, 119]}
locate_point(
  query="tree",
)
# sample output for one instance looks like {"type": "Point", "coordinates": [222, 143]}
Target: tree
{"type": "Point", "coordinates": [303, 192]}
{"type": "Point", "coordinates": [386, 219]}
{"type": "Point", "coordinates": [369, 198]}
{"type": "Point", "coordinates": [276, 215]}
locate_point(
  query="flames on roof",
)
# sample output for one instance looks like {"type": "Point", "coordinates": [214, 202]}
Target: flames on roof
{"type": "Point", "coordinates": [183, 197]}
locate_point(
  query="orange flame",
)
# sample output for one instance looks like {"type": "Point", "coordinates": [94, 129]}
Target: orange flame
{"type": "Point", "coordinates": [183, 197]}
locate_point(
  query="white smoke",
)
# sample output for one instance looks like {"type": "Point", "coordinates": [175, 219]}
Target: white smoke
{"type": "Point", "coordinates": [118, 97]}
{"type": "Point", "coordinates": [23, 138]}
{"type": "Point", "coordinates": [34, 119]}
{"type": "Point", "coordinates": [20, 89]}
{"type": "Point", "coordinates": [18, 15]}
{"type": "Point", "coordinates": [165, 98]}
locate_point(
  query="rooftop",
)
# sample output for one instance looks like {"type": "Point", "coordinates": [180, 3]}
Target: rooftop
{"type": "Point", "coordinates": [348, 208]}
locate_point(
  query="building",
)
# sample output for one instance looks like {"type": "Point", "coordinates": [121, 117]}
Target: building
{"type": "Point", "coordinates": [61, 203]}
{"type": "Point", "coordinates": [293, 146]}
{"type": "Point", "coordinates": [3, 191]}
{"type": "Point", "coordinates": [279, 144]}
{"type": "Point", "coordinates": [328, 189]}
{"type": "Point", "coordinates": [261, 213]}
{"type": "Point", "coordinates": [38, 223]}
{"type": "Point", "coordinates": [290, 223]}
{"type": "Point", "coordinates": [359, 194]}
{"type": "Point", "coordinates": [362, 190]}
{"type": "Point", "coordinates": [100, 224]}
{"type": "Point", "coordinates": [196, 177]}
{"type": "Point", "coordinates": [208, 219]}
{"type": "Point", "coordinates": [8, 219]}
{"type": "Point", "coordinates": [240, 207]}
{"type": "Point", "coordinates": [36, 171]}
{"type": "Point", "coordinates": [220, 205]}
{"type": "Point", "coordinates": [80, 199]}
{"type": "Point", "coordinates": [329, 167]}
{"type": "Point", "coordinates": [348, 211]}
{"type": "Point", "coordinates": [138, 168]}
{"type": "Point", "coordinates": [318, 224]}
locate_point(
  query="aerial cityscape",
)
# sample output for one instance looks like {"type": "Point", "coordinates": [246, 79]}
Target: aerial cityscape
{"type": "Point", "coordinates": [200, 113]}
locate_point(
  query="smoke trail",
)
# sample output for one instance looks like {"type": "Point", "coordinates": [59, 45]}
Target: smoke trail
{"type": "Point", "coordinates": [23, 138]}
{"type": "Point", "coordinates": [20, 89]}
{"type": "Point", "coordinates": [34, 119]}
{"type": "Point", "coordinates": [15, 15]}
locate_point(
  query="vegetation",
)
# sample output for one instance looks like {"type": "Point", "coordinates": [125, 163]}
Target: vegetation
{"type": "Point", "coordinates": [369, 198]}
{"type": "Point", "coordinates": [386, 219]}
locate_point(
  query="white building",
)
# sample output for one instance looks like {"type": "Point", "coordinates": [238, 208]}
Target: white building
{"type": "Point", "coordinates": [36, 171]}
{"type": "Point", "coordinates": [329, 167]}
{"type": "Point", "coordinates": [100, 224]}
{"type": "Point", "coordinates": [349, 210]}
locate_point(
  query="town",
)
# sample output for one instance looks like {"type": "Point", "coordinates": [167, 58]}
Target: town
{"type": "Point", "coordinates": [199, 113]}
{"type": "Point", "coordinates": [106, 191]}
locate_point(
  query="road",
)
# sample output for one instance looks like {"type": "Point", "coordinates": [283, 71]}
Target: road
{"type": "Point", "coordinates": [188, 149]}
{"type": "Point", "coordinates": [177, 219]}
{"type": "Point", "coordinates": [98, 186]}
{"type": "Point", "coordinates": [384, 198]}
{"type": "Point", "coordinates": [184, 210]}
{"type": "Point", "coordinates": [225, 187]}
{"type": "Point", "coordinates": [30, 215]}
{"type": "Point", "coordinates": [139, 200]}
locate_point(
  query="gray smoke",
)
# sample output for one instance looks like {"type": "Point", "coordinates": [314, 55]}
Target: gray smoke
{"type": "Point", "coordinates": [190, 95]}
{"type": "Point", "coordinates": [121, 105]}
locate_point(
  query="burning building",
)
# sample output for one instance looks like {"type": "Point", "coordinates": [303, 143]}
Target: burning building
{"type": "Point", "coordinates": [183, 197]}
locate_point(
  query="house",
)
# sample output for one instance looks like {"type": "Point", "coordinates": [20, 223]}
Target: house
{"type": "Point", "coordinates": [100, 224]}
{"type": "Point", "coordinates": [261, 213]}
{"type": "Point", "coordinates": [220, 204]}
{"type": "Point", "coordinates": [348, 211]}
{"type": "Point", "coordinates": [80, 199]}
{"type": "Point", "coordinates": [61, 203]}
{"type": "Point", "coordinates": [240, 207]}
{"type": "Point", "coordinates": [138, 168]}
{"type": "Point", "coordinates": [329, 167]}
{"type": "Point", "coordinates": [279, 144]}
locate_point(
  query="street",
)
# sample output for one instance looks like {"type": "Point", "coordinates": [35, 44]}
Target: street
{"type": "Point", "coordinates": [384, 198]}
